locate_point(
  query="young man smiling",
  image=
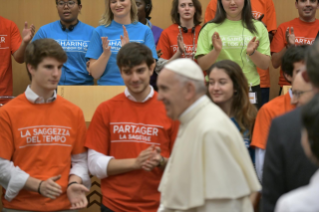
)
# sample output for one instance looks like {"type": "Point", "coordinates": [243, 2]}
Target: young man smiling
{"type": "Point", "coordinates": [299, 31]}
{"type": "Point", "coordinates": [74, 37]}
{"type": "Point", "coordinates": [130, 137]}
{"type": "Point", "coordinates": [41, 136]}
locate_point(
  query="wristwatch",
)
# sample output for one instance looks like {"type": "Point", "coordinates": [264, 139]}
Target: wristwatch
{"type": "Point", "coordinates": [161, 162]}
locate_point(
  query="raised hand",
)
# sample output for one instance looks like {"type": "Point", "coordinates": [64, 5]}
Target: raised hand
{"type": "Point", "coordinates": [28, 33]}
{"type": "Point", "coordinates": [217, 42]}
{"type": "Point", "coordinates": [105, 45]}
{"type": "Point", "coordinates": [154, 160]}
{"type": "Point", "coordinates": [125, 39]}
{"type": "Point", "coordinates": [290, 37]}
{"type": "Point", "coordinates": [180, 43]}
{"type": "Point", "coordinates": [49, 188]}
{"type": "Point", "coordinates": [252, 46]}
{"type": "Point", "coordinates": [77, 197]}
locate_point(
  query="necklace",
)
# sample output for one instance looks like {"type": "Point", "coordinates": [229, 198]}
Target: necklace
{"type": "Point", "coordinates": [194, 43]}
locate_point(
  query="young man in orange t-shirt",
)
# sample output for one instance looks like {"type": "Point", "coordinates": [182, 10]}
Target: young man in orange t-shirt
{"type": "Point", "coordinates": [299, 31]}
{"type": "Point", "coordinates": [11, 44]}
{"type": "Point", "coordinates": [263, 10]}
{"type": "Point", "coordinates": [292, 63]}
{"type": "Point", "coordinates": [42, 135]}
{"type": "Point", "coordinates": [130, 138]}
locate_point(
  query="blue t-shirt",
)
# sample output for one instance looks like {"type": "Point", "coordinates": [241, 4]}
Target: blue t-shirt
{"type": "Point", "coordinates": [137, 33]}
{"type": "Point", "coordinates": [75, 43]}
{"type": "Point", "coordinates": [246, 138]}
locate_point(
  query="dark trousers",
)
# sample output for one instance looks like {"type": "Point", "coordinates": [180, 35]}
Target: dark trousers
{"type": "Point", "coordinates": [257, 90]}
{"type": "Point", "coordinates": [105, 209]}
{"type": "Point", "coordinates": [264, 96]}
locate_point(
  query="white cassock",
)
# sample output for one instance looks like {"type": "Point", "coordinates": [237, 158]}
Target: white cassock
{"type": "Point", "coordinates": [210, 168]}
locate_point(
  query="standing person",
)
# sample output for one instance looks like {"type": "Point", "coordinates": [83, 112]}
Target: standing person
{"type": "Point", "coordinates": [180, 39]}
{"type": "Point", "coordinates": [37, 151]}
{"type": "Point", "coordinates": [119, 26]}
{"type": "Point", "coordinates": [293, 62]}
{"type": "Point", "coordinates": [129, 133]}
{"type": "Point", "coordinates": [282, 172]}
{"type": "Point", "coordinates": [236, 36]}
{"type": "Point", "coordinates": [74, 37]}
{"type": "Point", "coordinates": [217, 174]}
{"type": "Point", "coordinates": [144, 10]}
{"type": "Point", "coordinates": [263, 10]}
{"type": "Point", "coordinates": [299, 31]}
{"type": "Point", "coordinates": [11, 44]}
{"type": "Point", "coordinates": [305, 198]}
{"type": "Point", "coordinates": [228, 88]}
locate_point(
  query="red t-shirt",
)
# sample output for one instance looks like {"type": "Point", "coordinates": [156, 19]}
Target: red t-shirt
{"type": "Point", "coordinates": [269, 111]}
{"type": "Point", "coordinates": [168, 41]}
{"type": "Point", "coordinates": [259, 7]}
{"type": "Point", "coordinates": [10, 41]}
{"type": "Point", "coordinates": [123, 128]}
{"type": "Point", "coordinates": [305, 33]}
{"type": "Point", "coordinates": [40, 139]}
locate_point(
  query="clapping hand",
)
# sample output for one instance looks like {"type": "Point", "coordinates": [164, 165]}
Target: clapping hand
{"type": "Point", "coordinates": [28, 33]}
{"type": "Point", "coordinates": [290, 37]}
{"type": "Point", "coordinates": [77, 197]}
{"type": "Point", "coordinates": [125, 39]}
{"type": "Point", "coordinates": [180, 43]}
{"type": "Point", "coordinates": [105, 45]}
{"type": "Point", "coordinates": [252, 46]}
{"type": "Point", "coordinates": [217, 42]}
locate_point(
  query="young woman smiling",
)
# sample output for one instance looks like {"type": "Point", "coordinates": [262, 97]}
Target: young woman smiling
{"type": "Point", "coordinates": [233, 34]}
{"type": "Point", "coordinates": [228, 88]}
{"type": "Point", "coordinates": [119, 25]}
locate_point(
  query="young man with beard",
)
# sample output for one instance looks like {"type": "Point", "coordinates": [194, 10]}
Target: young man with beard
{"type": "Point", "coordinates": [130, 138]}
{"type": "Point", "coordinates": [42, 135]}
{"type": "Point", "coordinates": [299, 31]}
{"type": "Point", "coordinates": [74, 37]}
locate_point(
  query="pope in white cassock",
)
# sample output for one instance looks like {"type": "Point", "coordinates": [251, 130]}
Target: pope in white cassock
{"type": "Point", "coordinates": [210, 169]}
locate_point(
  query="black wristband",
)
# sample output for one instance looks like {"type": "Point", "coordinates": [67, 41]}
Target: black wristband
{"type": "Point", "coordinates": [72, 183]}
{"type": "Point", "coordinates": [39, 187]}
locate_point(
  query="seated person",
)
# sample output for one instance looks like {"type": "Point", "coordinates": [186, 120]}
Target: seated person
{"type": "Point", "coordinates": [74, 37]}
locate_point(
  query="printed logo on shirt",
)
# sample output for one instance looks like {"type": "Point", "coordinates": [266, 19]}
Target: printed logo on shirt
{"type": "Point", "coordinates": [117, 44]}
{"type": "Point", "coordinates": [45, 135]}
{"type": "Point", "coordinates": [231, 42]}
{"type": "Point", "coordinates": [74, 45]}
{"type": "Point", "coordinates": [305, 41]}
{"type": "Point", "coordinates": [256, 14]}
{"type": "Point", "coordinates": [134, 132]}
{"type": "Point", "coordinates": [189, 50]}
{"type": "Point", "coordinates": [3, 41]}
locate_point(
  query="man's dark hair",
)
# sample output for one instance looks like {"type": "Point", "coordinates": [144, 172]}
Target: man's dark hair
{"type": "Point", "coordinates": [312, 63]}
{"type": "Point", "coordinates": [134, 54]}
{"type": "Point", "coordinates": [297, 1]}
{"type": "Point", "coordinates": [310, 121]}
{"type": "Point", "coordinates": [40, 49]}
{"type": "Point", "coordinates": [79, 1]}
{"type": "Point", "coordinates": [293, 55]}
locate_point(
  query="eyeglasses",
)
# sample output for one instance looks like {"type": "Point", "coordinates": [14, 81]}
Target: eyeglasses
{"type": "Point", "coordinates": [297, 94]}
{"type": "Point", "coordinates": [70, 4]}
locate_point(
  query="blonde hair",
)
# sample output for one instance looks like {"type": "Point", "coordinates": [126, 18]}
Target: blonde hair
{"type": "Point", "coordinates": [108, 16]}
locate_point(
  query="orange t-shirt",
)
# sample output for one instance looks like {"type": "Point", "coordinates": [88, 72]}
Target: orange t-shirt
{"type": "Point", "coordinates": [305, 35]}
{"type": "Point", "coordinates": [40, 139]}
{"type": "Point", "coordinates": [168, 41]}
{"type": "Point", "coordinates": [10, 41]}
{"type": "Point", "coordinates": [259, 7]}
{"type": "Point", "coordinates": [276, 107]}
{"type": "Point", "coordinates": [122, 128]}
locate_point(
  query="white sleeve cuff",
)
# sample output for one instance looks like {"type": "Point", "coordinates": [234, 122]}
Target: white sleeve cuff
{"type": "Point", "coordinates": [260, 157]}
{"type": "Point", "coordinates": [80, 168]}
{"type": "Point", "coordinates": [12, 179]}
{"type": "Point", "coordinates": [98, 163]}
